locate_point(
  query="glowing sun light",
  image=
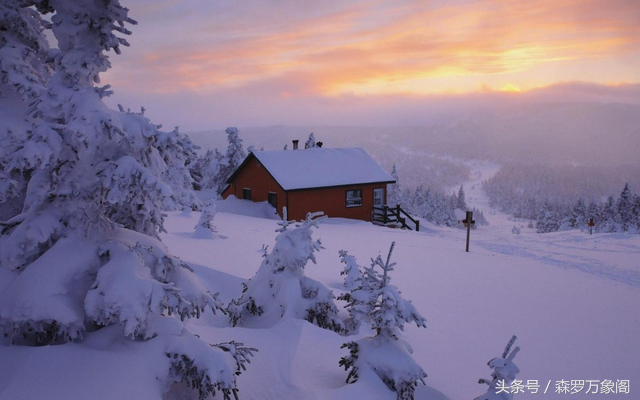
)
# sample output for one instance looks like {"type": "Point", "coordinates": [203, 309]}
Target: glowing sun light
{"type": "Point", "coordinates": [511, 88]}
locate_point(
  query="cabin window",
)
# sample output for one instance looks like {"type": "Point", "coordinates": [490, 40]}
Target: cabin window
{"type": "Point", "coordinates": [378, 197]}
{"type": "Point", "coordinates": [246, 194]}
{"type": "Point", "coordinates": [272, 198]}
{"type": "Point", "coordinates": [354, 198]}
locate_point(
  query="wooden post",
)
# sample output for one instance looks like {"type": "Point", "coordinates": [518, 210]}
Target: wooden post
{"type": "Point", "coordinates": [384, 218]}
{"type": "Point", "coordinates": [468, 220]}
{"type": "Point", "coordinates": [417, 225]}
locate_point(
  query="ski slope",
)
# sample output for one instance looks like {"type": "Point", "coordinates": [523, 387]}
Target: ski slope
{"type": "Point", "coordinates": [613, 256]}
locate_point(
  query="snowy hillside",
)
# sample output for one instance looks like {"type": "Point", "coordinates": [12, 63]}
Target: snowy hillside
{"type": "Point", "coordinates": [571, 298]}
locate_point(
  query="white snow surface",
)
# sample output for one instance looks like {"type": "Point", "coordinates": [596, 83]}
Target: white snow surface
{"type": "Point", "coordinates": [321, 167]}
{"type": "Point", "coordinates": [571, 298]}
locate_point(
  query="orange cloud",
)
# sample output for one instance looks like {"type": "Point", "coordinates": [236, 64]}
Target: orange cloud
{"type": "Point", "coordinates": [407, 47]}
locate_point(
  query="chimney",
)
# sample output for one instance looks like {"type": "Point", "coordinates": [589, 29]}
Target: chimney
{"type": "Point", "coordinates": [295, 144]}
{"type": "Point", "coordinates": [318, 144]}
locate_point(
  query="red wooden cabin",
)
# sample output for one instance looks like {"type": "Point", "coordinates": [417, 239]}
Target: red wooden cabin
{"type": "Point", "coordinates": [341, 182]}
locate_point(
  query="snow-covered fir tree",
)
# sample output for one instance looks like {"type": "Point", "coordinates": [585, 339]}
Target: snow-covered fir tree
{"type": "Point", "coordinates": [311, 142]}
{"type": "Point", "coordinates": [25, 68]}
{"type": "Point", "coordinates": [503, 374]}
{"type": "Point", "coordinates": [461, 202]}
{"type": "Point", "coordinates": [25, 63]}
{"type": "Point", "coordinates": [205, 229]}
{"type": "Point", "coordinates": [214, 168]}
{"type": "Point", "coordinates": [280, 288]}
{"type": "Point", "coordinates": [178, 153]}
{"type": "Point", "coordinates": [84, 252]}
{"type": "Point", "coordinates": [478, 216]}
{"type": "Point", "coordinates": [610, 219]}
{"type": "Point", "coordinates": [205, 170]}
{"type": "Point", "coordinates": [577, 218]}
{"type": "Point", "coordinates": [394, 193]}
{"type": "Point", "coordinates": [547, 220]}
{"type": "Point", "coordinates": [635, 212]}
{"type": "Point", "coordinates": [374, 302]}
{"type": "Point", "coordinates": [234, 156]}
{"type": "Point", "coordinates": [625, 208]}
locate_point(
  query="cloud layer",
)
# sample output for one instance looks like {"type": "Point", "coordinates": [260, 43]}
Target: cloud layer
{"type": "Point", "coordinates": [270, 59]}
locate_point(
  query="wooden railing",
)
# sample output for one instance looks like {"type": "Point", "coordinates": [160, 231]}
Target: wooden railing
{"type": "Point", "coordinates": [394, 215]}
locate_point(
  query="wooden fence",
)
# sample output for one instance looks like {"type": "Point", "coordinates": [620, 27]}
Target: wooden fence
{"type": "Point", "coordinates": [394, 216]}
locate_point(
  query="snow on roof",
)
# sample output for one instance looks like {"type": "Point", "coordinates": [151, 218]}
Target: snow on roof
{"type": "Point", "coordinates": [320, 167]}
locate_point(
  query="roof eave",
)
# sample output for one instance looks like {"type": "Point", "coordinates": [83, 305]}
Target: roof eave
{"type": "Point", "coordinates": [339, 186]}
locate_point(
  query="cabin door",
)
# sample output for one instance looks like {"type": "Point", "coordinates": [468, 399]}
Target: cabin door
{"type": "Point", "coordinates": [378, 197]}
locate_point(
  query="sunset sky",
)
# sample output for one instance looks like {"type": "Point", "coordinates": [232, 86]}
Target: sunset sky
{"type": "Point", "coordinates": [205, 64]}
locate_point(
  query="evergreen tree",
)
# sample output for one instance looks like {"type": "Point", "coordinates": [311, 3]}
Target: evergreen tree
{"type": "Point", "coordinates": [84, 253]}
{"type": "Point", "coordinates": [503, 374]}
{"type": "Point", "coordinates": [594, 211]}
{"type": "Point", "coordinates": [394, 194]}
{"type": "Point", "coordinates": [25, 68]}
{"type": "Point", "coordinates": [25, 65]}
{"type": "Point", "coordinates": [625, 210]}
{"type": "Point", "coordinates": [418, 202]}
{"type": "Point", "coordinates": [479, 217]}
{"type": "Point", "coordinates": [610, 217]}
{"type": "Point", "coordinates": [578, 217]}
{"type": "Point", "coordinates": [205, 170]}
{"type": "Point", "coordinates": [547, 219]}
{"type": "Point", "coordinates": [205, 229]}
{"type": "Point", "coordinates": [461, 202]}
{"type": "Point", "coordinates": [635, 213]}
{"type": "Point", "coordinates": [280, 288]}
{"type": "Point", "coordinates": [311, 142]}
{"type": "Point", "coordinates": [232, 159]}
{"type": "Point", "coordinates": [372, 300]}
{"type": "Point", "coordinates": [178, 153]}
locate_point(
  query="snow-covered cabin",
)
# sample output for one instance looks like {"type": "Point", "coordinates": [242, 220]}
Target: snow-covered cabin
{"type": "Point", "coordinates": [342, 182]}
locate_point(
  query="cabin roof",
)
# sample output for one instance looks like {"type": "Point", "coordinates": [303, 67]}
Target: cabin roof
{"type": "Point", "coordinates": [320, 167]}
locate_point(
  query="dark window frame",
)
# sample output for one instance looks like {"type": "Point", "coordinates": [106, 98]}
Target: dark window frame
{"type": "Point", "coordinates": [373, 194]}
{"type": "Point", "coordinates": [275, 195]}
{"type": "Point", "coordinates": [354, 199]}
{"type": "Point", "coordinates": [244, 194]}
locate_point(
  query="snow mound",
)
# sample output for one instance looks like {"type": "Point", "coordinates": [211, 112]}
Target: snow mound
{"type": "Point", "coordinates": [233, 205]}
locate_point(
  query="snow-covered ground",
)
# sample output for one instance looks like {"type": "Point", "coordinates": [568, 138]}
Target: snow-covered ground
{"type": "Point", "coordinates": [572, 299]}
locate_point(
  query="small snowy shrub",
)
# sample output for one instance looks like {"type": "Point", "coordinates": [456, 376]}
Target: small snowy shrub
{"type": "Point", "coordinates": [372, 300]}
{"type": "Point", "coordinates": [503, 375]}
{"type": "Point", "coordinates": [205, 229]}
{"type": "Point", "coordinates": [280, 289]}
{"type": "Point", "coordinates": [311, 142]}
{"type": "Point", "coordinates": [215, 372]}
{"type": "Point", "coordinates": [515, 230]}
